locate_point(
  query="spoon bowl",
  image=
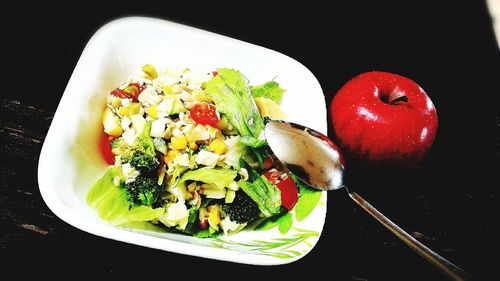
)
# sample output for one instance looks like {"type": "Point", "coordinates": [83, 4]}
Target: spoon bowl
{"type": "Point", "coordinates": [310, 155]}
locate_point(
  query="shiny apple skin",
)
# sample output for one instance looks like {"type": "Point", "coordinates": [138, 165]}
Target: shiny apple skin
{"type": "Point", "coordinates": [374, 131]}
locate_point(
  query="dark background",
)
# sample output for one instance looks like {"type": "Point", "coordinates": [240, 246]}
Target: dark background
{"type": "Point", "coordinates": [450, 203]}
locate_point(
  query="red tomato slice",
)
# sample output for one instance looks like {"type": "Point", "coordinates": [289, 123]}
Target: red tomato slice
{"type": "Point", "coordinates": [205, 114]}
{"type": "Point", "coordinates": [287, 186]}
{"type": "Point", "coordinates": [289, 193]}
{"type": "Point", "coordinates": [105, 145]}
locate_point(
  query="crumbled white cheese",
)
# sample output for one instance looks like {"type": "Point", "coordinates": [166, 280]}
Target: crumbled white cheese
{"type": "Point", "coordinates": [182, 160]}
{"type": "Point", "coordinates": [149, 96]}
{"type": "Point", "coordinates": [129, 173]}
{"type": "Point", "coordinates": [129, 136]}
{"type": "Point", "coordinates": [138, 123]}
{"type": "Point", "coordinates": [125, 102]}
{"type": "Point", "coordinates": [187, 129]}
{"type": "Point", "coordinates": [233, 186]}
{"type": "Point", "coordinates": [234, 151]}
{"type": "Point", "coordinates": [125, 123]}
{"type": "Point", "coordinates": [118, 160]}
{"type": "Point", "coordinates": [165, 106]}
{"type": "Point", "coordinates": [175, 214]}
{"type": "Point", "coordinates": [185, 96]}
{"type": "Point", "coordinates": [207, 158]}
{"type": "Point", "coordinates": [243, 173]}
{"type": "Point", "coordinates": [177, 133]}
{"type": "Point", "coordinates": [158, 128]}
{"type": "Point", "coordinates": [194, 79]}
{"type": "Point", "coordinates": [200, 132]}
{"type": "Point", "coordinates": [164, 79]}
{"type": "Point", "coordinates": [228, 225]}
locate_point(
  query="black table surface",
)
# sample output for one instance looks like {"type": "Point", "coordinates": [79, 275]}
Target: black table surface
{"type": "Point", "coordinates": [450, 203]}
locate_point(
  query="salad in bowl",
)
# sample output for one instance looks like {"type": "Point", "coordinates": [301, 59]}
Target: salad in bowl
{"type": "Point", "coordinates": [187, 153]}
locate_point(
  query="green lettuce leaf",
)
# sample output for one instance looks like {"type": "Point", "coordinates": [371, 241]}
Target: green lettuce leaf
{"type": "Point", "coordinates": [191, 225]}
{"type": "Point", "coordinates": [307, 201]}
{"type": "Point", "coordinates": [111, 201]}
{"type": "Point", "coordinates": [253, 142]}
{"type": "Point", "coordinates": [232, 96]}
{"type": "Point", "coordinates": [219, 177]}
{"type": "Point", "coordinates": [237, 150]}
{"type": "Point", "coordinates": [265, 194]}
{"type": "Point", "coordinates": [270, 90]}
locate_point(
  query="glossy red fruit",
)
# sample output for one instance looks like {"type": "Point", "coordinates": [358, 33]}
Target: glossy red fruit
{"type": "Point", "coordinates": [380, 117]}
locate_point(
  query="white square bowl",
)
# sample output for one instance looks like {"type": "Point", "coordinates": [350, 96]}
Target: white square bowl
{"type": "Point", "coordinates": [70, 161]}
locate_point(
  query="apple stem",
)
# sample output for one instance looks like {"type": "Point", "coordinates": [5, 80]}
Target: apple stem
{"type": "Point", "coordinates": [397, 96]}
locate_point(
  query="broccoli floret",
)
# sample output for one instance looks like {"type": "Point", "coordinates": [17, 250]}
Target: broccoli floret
{"type": "Point", "coordinates": [143, 190]}
{"type": "Point", "coordinates": [118, 146]}
{"type": "Point", "coordinates": [243, 209]}
{"type": "Point", "coordinates": [141, 155]}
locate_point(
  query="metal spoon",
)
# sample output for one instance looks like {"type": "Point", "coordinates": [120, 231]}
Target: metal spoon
{"type": "Point", "coordinates": [317, 161]}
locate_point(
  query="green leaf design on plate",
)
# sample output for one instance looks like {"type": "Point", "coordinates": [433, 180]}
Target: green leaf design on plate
{"type": "Point", "coordinates": [281, 247]}
{"type": "Point", "coordinates": [285, 224]}
{"type": "Point", "coordinates": [308, 200]}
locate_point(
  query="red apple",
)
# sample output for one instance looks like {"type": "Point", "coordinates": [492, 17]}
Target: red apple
{"type": "Point", "coordinates": [380, 117]}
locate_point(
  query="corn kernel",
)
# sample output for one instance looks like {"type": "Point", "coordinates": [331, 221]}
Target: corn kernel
{"type": "Point", "coordinates": [213, 216]}
{"type": "Point", "coordinates": [150, 71]}
{"type": "Point", "coordinates": [153, 112]}
{"type": "Point", "coordinates": [130, 110]}
{"type": "Point", "coordinates": [217, 146]}
{"type": "Point", "coordinates": [193, 146]}
{"type": "Point", "coordinates": [116, 102]}
{"type": "Point", "coordinates": [135, 107]}
{"type": "Point", "coordinates": [179, 142]}
{"type": "Point", "coordinates": [123, 111]}
{"type": "Point", "coordinates": [171, 154]}
{"type": "Point", "coordinates": [173, 89]}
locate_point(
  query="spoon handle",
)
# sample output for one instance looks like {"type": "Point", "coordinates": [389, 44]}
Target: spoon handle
{"type": "Point", "coordinates": [453, 271]}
